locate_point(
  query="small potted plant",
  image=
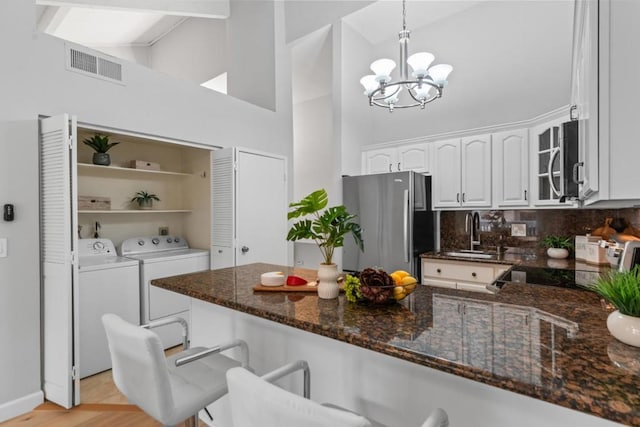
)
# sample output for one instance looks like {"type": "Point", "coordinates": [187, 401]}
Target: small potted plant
{"type": "Point", "coordinates": [100, 143]}
{"type": "Point", "coordinates": [327, 229]}
{"type": "Point", "coordinates": [622, 290]}
{"type": "Point", "coordinates": [558, 246]}
{"type": "Point", "coordinates": [145, 199]}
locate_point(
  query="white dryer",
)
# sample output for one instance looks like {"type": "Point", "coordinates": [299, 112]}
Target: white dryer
{"type": "Point", "coordinates": [108, 284]}
{"type": "Point", "coordinates": [164, 256]}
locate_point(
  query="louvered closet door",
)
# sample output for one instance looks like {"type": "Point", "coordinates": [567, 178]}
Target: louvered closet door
{"type": "Point", "coordinates": [222, 208]}
{"type": "Point", "coordinates": [58, 195]}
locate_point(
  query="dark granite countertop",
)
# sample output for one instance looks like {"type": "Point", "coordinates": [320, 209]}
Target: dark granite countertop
{"type": "Point", "coordinates": [550, 343]}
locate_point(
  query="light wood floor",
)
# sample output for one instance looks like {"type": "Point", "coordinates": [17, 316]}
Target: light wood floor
{"type": "Point", "coordinates": [102, 405]}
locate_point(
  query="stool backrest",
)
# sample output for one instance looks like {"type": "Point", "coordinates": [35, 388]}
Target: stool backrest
{"type": "Point", "coordinates": [256, 402]}
{"type": "Point", "coordinates": [139, 366]}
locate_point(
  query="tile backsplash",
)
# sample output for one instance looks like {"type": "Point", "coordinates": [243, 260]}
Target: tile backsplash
{"type": "Point", "coordinates": [497, 224]}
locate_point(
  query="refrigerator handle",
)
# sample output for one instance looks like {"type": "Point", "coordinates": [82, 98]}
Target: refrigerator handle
{"type": "Point", "coordinates": [405, 230]}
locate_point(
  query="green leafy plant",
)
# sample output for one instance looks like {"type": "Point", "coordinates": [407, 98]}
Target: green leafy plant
{"type": "Point", "coordinates": [621, 289]}
{"type": "Point", "coordinates": [560, 242]}
{"type": "Point", "coordinates": [100, 143]}
{"type": "Point", "coordinates": [327, 228]}
{"type": "Point", "coordinates": [142, 197]}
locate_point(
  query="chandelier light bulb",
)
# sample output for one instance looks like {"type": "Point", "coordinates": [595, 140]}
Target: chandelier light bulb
{"type": "Point", "coordinates": [420, 62]}
{"type": "Point", "coordinates": [383, 68]}
{"type": "Point", "coordinates": [439, 74]}
{"type": "Point", "coordinates": [422, 92]}
{"type": "Point", "coordinates": [370, 84]}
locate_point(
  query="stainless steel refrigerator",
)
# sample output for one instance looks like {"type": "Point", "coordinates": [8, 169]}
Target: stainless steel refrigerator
{"type": "Point", "coordinates": [394, 212]}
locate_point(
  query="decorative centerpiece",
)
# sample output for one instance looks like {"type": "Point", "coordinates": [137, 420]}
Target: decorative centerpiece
{"type": "Point", "coordinates": [327, 229]}
{"type": "Point", "coordinates": [622, 290]}
{"type": "Point", "coordinates": [100, 143]}
{"type": "Point", "coordinates": [376, 286]}
{"type": "Point", "coordinates": [558, 246]}
{"type": "Point", "coordinates": [145, 199]}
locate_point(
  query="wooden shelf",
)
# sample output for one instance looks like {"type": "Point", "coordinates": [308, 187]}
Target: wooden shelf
{"type": "Point", "coordinates": [89, 168]}
{"type": "Point", "coordinates": [134, 211]}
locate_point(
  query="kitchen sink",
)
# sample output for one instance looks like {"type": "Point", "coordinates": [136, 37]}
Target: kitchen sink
{"type": "Point", "coordinates": [472, 254]}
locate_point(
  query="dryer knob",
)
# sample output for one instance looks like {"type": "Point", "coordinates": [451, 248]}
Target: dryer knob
{"type": "Point", "coordinates": [169, 240]}
{"type": "Point", "coordinates": [140, 242]}
{"type": "Point", "coordinates": [177, 240]}
{"type": "Point", "coordinates": [155, 240]}
{"type": "Point", "coordinates": [98, 246]}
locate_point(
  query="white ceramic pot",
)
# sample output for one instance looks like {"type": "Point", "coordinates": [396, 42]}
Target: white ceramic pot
{"type": "Point", "coordinates": [328, 281]}
{"type": "Point", "coordinates": [557, 253]}
{"type": "Point", "coordinates": [624, 328]}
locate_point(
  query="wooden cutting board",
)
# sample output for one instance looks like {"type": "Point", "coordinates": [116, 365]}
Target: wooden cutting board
{"type": "Point", "coordinates": [309, 287]}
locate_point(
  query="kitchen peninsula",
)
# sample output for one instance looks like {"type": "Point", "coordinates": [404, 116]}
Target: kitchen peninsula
{"type": "Point", "coordinates": [546, 344]}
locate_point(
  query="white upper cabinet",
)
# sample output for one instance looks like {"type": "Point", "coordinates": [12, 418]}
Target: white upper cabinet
{"type": "Point", "coordinates": [476, 171]}
{"type": "Point", "coordinates": [511, 168]}
{"type": "Point", "coordinates": [446, 174]}
{"type": "Point", "coordinates": [413, 157]}
{"type": "Point", "coordinates": [462, 172]}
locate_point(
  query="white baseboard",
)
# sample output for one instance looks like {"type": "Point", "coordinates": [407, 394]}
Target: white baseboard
{"type": "Point", "coordinates": [21, 405]}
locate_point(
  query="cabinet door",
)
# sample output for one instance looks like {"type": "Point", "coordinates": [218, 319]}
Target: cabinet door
{"type": "Point", "coordinates": [545, 141]}
{"type": "Point", "coordinates": [477, 334]}
{"type": "Point", "coordinates": [584, 92]}
{"type": "Point", "coordinates": [476, 171]}
{"type": "Point", "coordinates": [511, 168]}
{"type": "Point", "coordinates": [446, 174]}
{"type": "Point", "coordinates": [414, 157]}
{"type": "Point", "coordinates": [381, 161]}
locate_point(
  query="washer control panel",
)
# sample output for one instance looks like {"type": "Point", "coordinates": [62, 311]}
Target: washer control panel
{"type": "Point", "coordinates": [96, 247]}
{"type": "Point", "coordinates": [140, 245]}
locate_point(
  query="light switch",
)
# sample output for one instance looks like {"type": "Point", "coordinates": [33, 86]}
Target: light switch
{"type": "Point", "coordinates": [3, 247]}
{"type": "Point", "coordinates": [519, 230]}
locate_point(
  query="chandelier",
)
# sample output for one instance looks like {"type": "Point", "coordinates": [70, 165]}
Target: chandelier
{"type": "Point", "coordinates": [425, 86]}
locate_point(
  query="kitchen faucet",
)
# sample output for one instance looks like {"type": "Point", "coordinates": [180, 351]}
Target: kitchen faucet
{"type": "Point", "coordinates": [472, 226]}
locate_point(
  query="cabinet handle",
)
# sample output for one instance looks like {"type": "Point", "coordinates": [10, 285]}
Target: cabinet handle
{"type": "Point", "coordinates": [526, 319]}
{"type": "Point", "coordinates": [463, 196]}
{"type": "Point", "coordinates": [389, 167]}
{"type": "Point", "coordinates": [458, 197]}
{"type": "Point", "coordinates": [398, 166]}
{"type": "Point", "coordinates": [459, 307]}
{"type": "Point", "coordinates": [438, 271]}
{"type": "Point", "coordinates": [473, 274]}
{"type": "Point", "coordinates": [573, 113]}
{"type": "Point", "coordinates": [525, 194]}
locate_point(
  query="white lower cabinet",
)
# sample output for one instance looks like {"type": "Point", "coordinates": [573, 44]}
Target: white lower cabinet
{"type": "Point", "coordinates": [468, 276]}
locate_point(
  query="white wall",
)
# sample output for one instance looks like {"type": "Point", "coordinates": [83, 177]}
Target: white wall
{"type": "Point", "coordinates": [511, 59]}
{"type": "Point", "coordinates": [36, 82]}
{"type": "Point", "coordinates": [195, 51]}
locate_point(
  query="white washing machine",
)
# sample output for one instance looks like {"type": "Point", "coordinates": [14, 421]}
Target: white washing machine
{"type": "Point", "coordinates": [108, 284]}
{"type": "Point", "coordinates": [164, 256]}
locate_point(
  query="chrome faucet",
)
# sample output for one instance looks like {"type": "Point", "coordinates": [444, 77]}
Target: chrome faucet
{"type": "Point", "coordinates": [472, 226]}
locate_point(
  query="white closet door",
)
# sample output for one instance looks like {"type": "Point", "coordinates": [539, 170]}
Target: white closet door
{"type": "Point", "coordinates": [222, 208]}
{"type": "Point", "coordinates": [58, 195]}
{"type": "Point", "coordinates": [261, 209]}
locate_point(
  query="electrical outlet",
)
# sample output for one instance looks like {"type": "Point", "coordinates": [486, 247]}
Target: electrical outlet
{"type": "Point", "coordinates": [519, 230]}
{"type": "Point", "coordinates": [3, 247]}
{"type": "Point", "coordinates": [163, 231]}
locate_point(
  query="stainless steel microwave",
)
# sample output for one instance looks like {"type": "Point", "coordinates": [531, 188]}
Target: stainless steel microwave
{"type": "Point", "coordinates": [630, 256]}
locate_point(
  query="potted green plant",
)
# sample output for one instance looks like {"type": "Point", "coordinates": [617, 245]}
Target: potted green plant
{"type": "Point", "coordinates": [557, 246]}
{"type": "Point", "coordinates": [100, 143]}
{"type": "Point", "coordinates": [622, 290]}
{"type": "Point", "coordinates": [145, 199]}
{"type": "Point", "coordinates": [327, 229]}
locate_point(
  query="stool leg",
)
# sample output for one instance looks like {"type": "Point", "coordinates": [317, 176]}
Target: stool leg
{"type": "Point", "coordinates": [191, 421]}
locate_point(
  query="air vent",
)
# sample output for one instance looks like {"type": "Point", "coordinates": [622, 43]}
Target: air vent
{"type": "Point", "coordinates": [93, 65]}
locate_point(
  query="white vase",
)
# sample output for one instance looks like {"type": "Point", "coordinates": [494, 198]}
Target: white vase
{"type": "Point", "coordinates": [557, 253]}
{"type": "Point", "coordinates": [328, 281]}
{"type": "Point", "coordinates": [625, 328]}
